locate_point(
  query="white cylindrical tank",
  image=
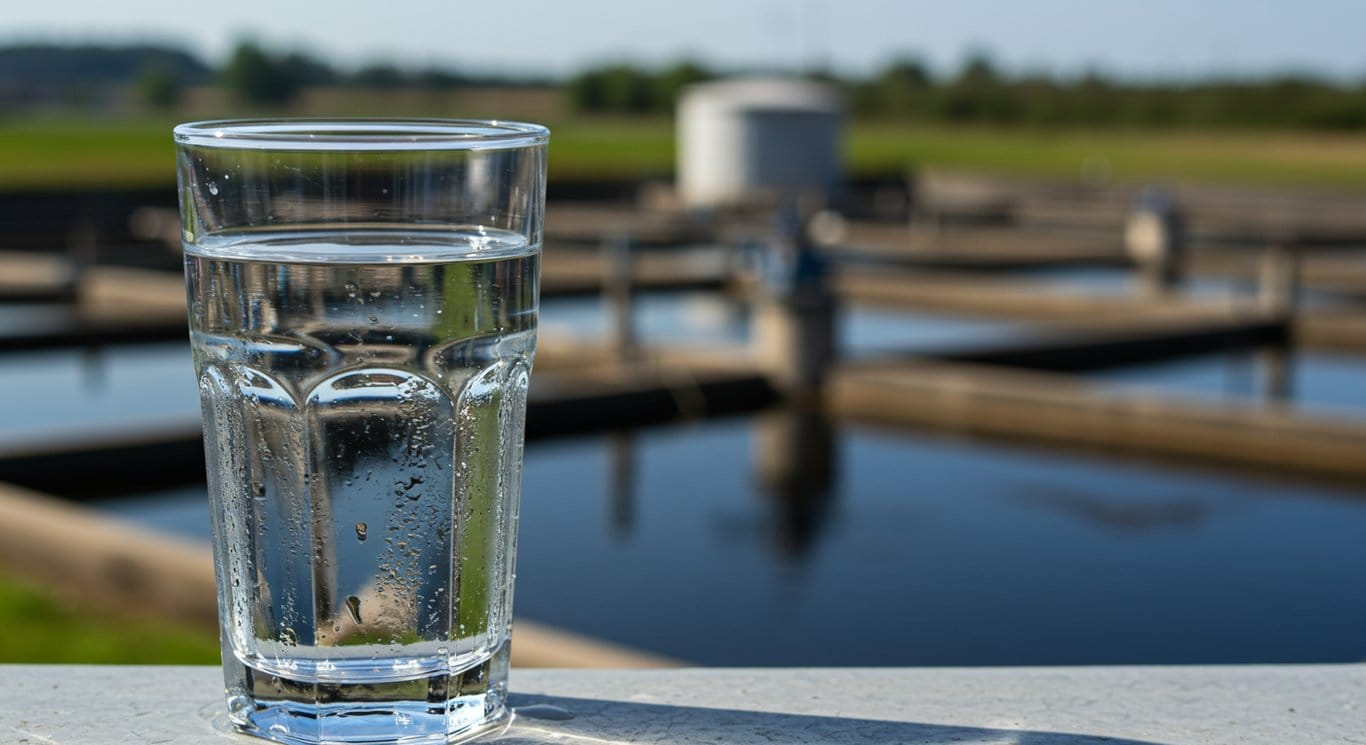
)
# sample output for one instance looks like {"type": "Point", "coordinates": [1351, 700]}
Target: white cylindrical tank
{"type": "Point", "coordinates": [739, 140]}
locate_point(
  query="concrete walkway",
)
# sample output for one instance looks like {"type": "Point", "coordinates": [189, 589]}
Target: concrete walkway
{"type": "Point", "coordinates": [1285, 705]}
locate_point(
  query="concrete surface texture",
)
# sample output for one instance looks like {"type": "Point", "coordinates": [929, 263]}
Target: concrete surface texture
{"type": "Point", "coordinates": [89, 705]}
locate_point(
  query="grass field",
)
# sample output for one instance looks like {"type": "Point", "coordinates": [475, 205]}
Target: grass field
{"type": "Point", "coordinates": [139, 153]}
{"type": "Point", "coordinates": [41, 629]}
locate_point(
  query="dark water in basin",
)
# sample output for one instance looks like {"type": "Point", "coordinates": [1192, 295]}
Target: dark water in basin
{"type": "Point", "coordinates": [50, 394]}
{"type": "Point", "coordinates": [781, 541]}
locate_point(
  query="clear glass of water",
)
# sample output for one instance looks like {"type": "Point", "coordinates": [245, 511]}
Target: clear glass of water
{"type": "Point", "coordinates": [363, 304]}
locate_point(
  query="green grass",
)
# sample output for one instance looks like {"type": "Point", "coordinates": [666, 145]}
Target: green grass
{"type": "Point", "coordinates": [1255, 158]}
{"type": "Point", "coordinates": [45, 154]}
{"type": "Point", "coordinates": [41, 629]}
{"type": "Point", "coordinates": [587, 148]}
{"type": "Point", "coordinates": [624, 148]}
{"type": "Point", "coordinates": [75, 153]}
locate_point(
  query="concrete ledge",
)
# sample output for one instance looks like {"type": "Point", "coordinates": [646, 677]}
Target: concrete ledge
{"type": "Point", "coordinates": [29, 278]}
{"type": "Point", "coordinates": [1017, 299]}
{"type": "Point", "coordinates": [120, 568]}
{"type": "Point", "coordinates": [977, 247]}
{"type": "Point", "coordinates": [1056, 409]}
{"type": "Point", "coordinates": [569, 271]}
{"type": "Point", "coordinates": [1285, 705]}
{"type": "Point", "coordinates": [1333, 331]}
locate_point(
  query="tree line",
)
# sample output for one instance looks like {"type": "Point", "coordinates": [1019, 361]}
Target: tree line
{"type": "Point", "coordinates": [980, 93]}
{"type": "Point", "coordinates": [50, 73]}
{"type": "Point", "coordinates": [257, 75]}
{"type": "Point", "coordinates": [252, 73]}
{"type": "Point", "coordinates": [906, 89]}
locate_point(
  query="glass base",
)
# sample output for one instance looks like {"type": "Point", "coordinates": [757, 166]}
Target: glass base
{"type": "Point", "coordinates": [438, 708]}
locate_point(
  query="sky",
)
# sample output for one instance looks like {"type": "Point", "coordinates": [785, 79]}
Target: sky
{"type": "Point", "coordinates": [1138, 38]}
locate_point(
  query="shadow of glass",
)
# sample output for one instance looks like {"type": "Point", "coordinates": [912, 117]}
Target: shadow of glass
{"type": "Point", "coordinates": [551, 719]}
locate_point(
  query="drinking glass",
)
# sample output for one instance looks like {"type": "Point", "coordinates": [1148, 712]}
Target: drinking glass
{"type": "Point", "coordinates": [363, 303]}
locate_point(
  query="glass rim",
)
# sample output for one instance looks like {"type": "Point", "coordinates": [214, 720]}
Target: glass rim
{"type": "Point", "coordinates": [360, 133]}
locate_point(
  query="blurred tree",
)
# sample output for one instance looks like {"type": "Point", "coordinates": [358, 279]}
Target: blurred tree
{"type": "Point", "coordinates": [254, 76]}
{"type": "Point", "coordinates": [979, 93]}
{"type": "Point", "coordinates": [586, 91]}
{"type": "Point", "coordinates": [907, 72]}
{"type": "Point", "coordinates": [1038, 99]}
{"type": "Point", "coordinates": [434, 78]}
{"type": "Point", "coordinates": [901, 86]}
{"type": "Point", "coordinates": [378, 75]}
{"type": "Point", "coordinates": [617, 88]}
{"type": "Point", "coordinates": [158, 88]}
{"type": "Point", "coordinates": [49, 72]}
{"type": "Point", "coordinates": [978, 70]}
{"type": "Point", "coordinates": [1095, 100]}
{"type": "Point", "coordinates": [673, 79]}
{"type": "Point", "coordinates": [627, 89]}
{"type": "Point", "coordinates": [308, 70]}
